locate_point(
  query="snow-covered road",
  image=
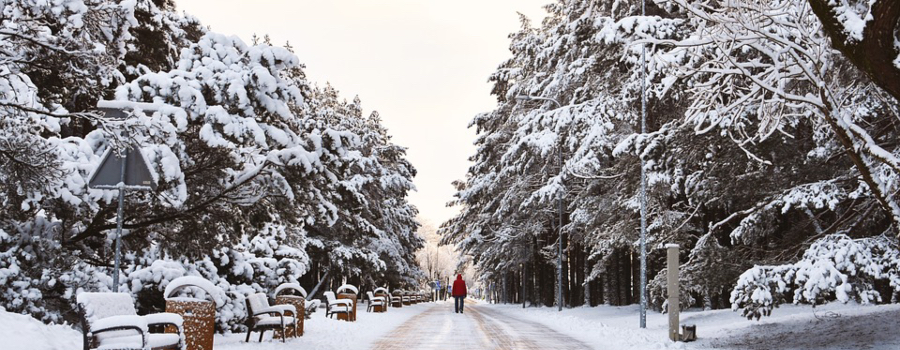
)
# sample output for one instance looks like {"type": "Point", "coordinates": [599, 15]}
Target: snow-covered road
{"type": "Point", "coordinates": [478, 328]}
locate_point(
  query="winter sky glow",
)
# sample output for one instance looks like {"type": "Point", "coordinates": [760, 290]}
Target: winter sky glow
{"type": "Point", "coordinates": [422, 64]}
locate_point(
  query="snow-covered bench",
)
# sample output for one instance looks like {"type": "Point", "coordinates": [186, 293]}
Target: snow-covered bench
{"type": "Point", "coordinates": [375, 301]}
{"type": "Point", "coordinates": [110, 322]}
{"type": "Point", "coordinates": [263, 317]}
{"type": "Point", "coordinates": [384, 293]}
{"type": "Point", "coordinates": [334, 305]}
{"type": "Point", "coordinates": [396, 299]}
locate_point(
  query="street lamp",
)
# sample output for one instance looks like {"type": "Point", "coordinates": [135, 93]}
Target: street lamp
{"type": "Point", "coordinates": [643, 182]}
{"type": "Point", "coordinates": [559, 292]}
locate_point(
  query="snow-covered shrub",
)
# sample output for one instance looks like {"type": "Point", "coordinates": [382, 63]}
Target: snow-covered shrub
{"type": "Point", "coordinates": [20, 286]}
{"type": "Point", "coordinates": [835, 267]}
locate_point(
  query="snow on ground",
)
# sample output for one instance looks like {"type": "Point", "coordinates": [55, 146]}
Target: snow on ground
{"type": "Point", "coordinates": [833, 326]}
{"type": "Point", "coordinates": [25, 332]}
{"type": "Point", "coordinates": [603, 327]}
{"type": "Point", "coordinates": [321, 333]}
{"type": "Point", "coordinates": [20, 332]}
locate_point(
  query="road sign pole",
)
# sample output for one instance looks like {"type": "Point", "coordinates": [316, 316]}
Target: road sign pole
{"type": "Point", "coordinates": [133, 173]}
{"type": "Point", "coordinates": [119, 236]}
{"type": "Point", "coordinates": [119, 214]}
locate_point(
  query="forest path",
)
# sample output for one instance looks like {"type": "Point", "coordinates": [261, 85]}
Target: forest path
{"type": "Point", "coordinates": [477, 328]}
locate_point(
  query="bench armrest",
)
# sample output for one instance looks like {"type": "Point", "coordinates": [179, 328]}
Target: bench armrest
{"type": "Point", "coordinates": [276, 309]}
{"type": "Point", "coordinates": [348, 302]}
{"type": "Point", "coordinates": [121, 323]}
{"type": "Point", "coordinates": [284, 308]}
{"type": "Point", "coordinates": [128, 321]}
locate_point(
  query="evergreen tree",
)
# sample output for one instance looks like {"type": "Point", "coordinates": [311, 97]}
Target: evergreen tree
{"type": "Point", "coordinates": [261, 178]}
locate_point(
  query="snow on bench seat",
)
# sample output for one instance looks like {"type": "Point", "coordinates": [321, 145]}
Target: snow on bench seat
{"type": "Point", "coordinates": [134, 341]}
{"type": "Point", "coordinates": [273, 321]}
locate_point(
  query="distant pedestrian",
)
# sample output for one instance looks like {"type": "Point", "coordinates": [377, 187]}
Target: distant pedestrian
{"type": "Point", "coordinates": [459, 293]}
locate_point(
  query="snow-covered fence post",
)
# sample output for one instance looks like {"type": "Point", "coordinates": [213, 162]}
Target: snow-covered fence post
{"type": "Point", "coordinates": [672, 276]}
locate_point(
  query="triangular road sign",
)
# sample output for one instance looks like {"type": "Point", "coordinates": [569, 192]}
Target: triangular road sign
{"type": "Point", "coordinates": [109, 173]}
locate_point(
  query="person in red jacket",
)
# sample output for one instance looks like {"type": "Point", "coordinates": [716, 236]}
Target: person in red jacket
{"type": "Point", "coordinates": [459, 293]}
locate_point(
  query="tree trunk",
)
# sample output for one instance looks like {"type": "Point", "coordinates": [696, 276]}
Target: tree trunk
{"type": "Point", "coordinates": [625, 277]}
{"type": "Point", "coordinates": [504, 297]}
{"type": "Point", "coordinates": [875, 53]}
{"type": "Point", "coordinates": [636, 277]}
{"type": "Point", "coordinates": [601, 291]}
{"type": "Point", "coordinates": [564, 298]}
{"type": "Point", "coordinates": [587, 285]}
{"type": "Point", "coordinates": [707, 300]}
{"type": "Point", "coordinates": [612, 280]}
{"type": "Point", "coordinates": [575, 287]}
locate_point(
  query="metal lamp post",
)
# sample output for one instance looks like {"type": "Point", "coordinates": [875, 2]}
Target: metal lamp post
{"type": "Point", "coordinates": [559, 292]}
{"type": "Point", "coordinates": [643, 183]}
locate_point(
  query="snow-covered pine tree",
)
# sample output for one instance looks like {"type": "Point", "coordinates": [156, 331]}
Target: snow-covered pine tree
{"type": "Point", "coordinates": [372, 236]}
{"type": "Point", "coordinates": [756, 186]}
{"type": "Point", "coordinates": [579, 58]}
{"type": "Point", "coordinates": [244, 169]}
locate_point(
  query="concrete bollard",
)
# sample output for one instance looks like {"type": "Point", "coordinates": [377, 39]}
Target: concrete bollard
{"type": "Point", "coordinates": [672, 277]}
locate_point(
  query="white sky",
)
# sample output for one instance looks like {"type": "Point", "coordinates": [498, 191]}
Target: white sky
{"type": "Point", "coordinates": [422, 64]}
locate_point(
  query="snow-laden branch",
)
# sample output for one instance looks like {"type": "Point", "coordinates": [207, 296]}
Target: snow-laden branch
{"type": "Point", "coordinates": [763, 66]}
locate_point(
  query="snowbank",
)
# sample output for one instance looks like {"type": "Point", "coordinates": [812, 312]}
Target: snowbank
{"type": "Point", "coordinates": [832, 326]}
{"type": "Point", "coordinates": [25, 332]}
